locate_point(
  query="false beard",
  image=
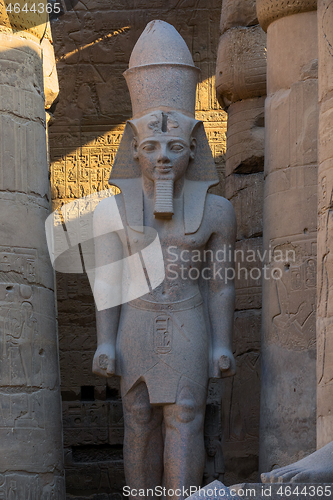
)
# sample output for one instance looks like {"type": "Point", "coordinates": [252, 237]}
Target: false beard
{"type": "Point", "coordinates": [163, 196]}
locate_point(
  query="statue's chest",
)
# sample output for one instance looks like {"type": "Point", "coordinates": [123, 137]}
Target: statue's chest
{"type": "Point", "coordinates": [171, 232]}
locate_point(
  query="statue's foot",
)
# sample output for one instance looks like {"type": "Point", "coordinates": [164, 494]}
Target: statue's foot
{"type": "Point", "coordinates": [316, 468]}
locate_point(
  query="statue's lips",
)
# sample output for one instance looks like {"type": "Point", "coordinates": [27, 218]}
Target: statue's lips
{"type": "Point", "coordinates": [163, 170]}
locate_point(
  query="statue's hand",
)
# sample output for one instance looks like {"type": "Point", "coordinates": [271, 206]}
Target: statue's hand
{"type": "Point", "coordinates": [224, 364]}
{"type": "Point", "coordinates": [104, 363]}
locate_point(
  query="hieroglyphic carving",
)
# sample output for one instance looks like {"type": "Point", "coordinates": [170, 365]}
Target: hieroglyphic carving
{"type": "Point", "coordinates": [20, 366]}
{"type": "Point", "coordinates": [30, 487]}
{"type": "Point", "coordinates": [78, 172]}
{"type": "Point", "coordinates": [94, 423]}
{"type": "Point", "coordinates": [163, 334]}
{"type": "Point", "coordinates": [17, 265]}
{"type": "Point", "coordinates": [20, 350]}
{"type": "Point", "coordinates": [293, 302]}
{"type": "Point", "coordinates": [248, 269]}
{"type": "Point", "coordinates": [85, 423]}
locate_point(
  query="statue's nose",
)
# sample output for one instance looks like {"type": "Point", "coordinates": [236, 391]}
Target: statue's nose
{"type": "Point", "coordinates": [163, 157]}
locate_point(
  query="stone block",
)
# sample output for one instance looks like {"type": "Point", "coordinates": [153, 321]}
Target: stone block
{"type": "Point", "coordinates": [325, 43]}
{"type": "Point", "coordinates": [289, 434]}
{"type": "Point", "coordinates": [293, 116]}
{"type": "Point", "coordinates": [269, 11]}
{"type": "Point", "coordinates": [33, 417]}
{"type": "Point", "coordinates": [241, 400]}
{"type": "Point", "coordinates": [76, 367]}
{"type": "Point", "coordinates": [50, 485]}
{"type": "Point", "coordinates": [213, 491]}
{"type": "Point", "coordinates": [246, 191]}
{"type": "Point", "coordinates": [247, 334]}
{"type": "Point", "coordinates": [325, 153]}
{"type": "Point", "coordinates": [93, 423]}
{"type": "Point", "coordinates": [246, 137]}
{"type": "Point", "coordinates": [51, 85]}
{"type": "Point", "coordinates": [4, 20]}
{"type": "Point", "coordinates": [286, 67]}
{"type": "Point", "coordinates": [241, 409]}
{"type": "Point", "coordinates": [22, 56]}
{"type": "Point", "coordinates": [290, 189]}
{"type": "Point", "coordinates": [238, 13]}
{"type": "Point", "coordinates": [241, 65]}
{"type": "Point", "coordinates": [249, 274]}
{"type": "Point", "coordinates": [25, 258]}
{"type": "Point", "coordinates": [94, 470]}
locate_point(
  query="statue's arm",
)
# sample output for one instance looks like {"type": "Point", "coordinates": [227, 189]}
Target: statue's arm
{"type": "Point", "coordinates": [221, 289]}
{"type": "Point", "coordinates": [107, 289]}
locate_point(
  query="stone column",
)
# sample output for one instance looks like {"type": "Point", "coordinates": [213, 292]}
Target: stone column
{"type": "Point", "coordinates": [241, 90]}
{"type": "Point", "coordinates": [325, 227]}
{"type": "Point", "coordinates": [31, 459]}
{"type": "Point", "coordinates": [288, 381]}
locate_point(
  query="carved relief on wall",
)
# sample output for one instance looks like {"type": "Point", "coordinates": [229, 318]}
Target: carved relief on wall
{"type": "Point", "coordinates": [293, 300]}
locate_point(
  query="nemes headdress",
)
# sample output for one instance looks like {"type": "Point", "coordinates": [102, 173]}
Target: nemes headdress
{"type": "Point", "coordinates": [162, 80]}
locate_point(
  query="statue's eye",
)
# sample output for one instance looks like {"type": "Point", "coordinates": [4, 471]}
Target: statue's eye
{"type": "Point", "coordinates": [149, 147]}
{"type": "Point", "coordinates": [177, 148]}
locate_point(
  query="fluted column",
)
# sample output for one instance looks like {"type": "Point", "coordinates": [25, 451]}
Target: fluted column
{"type": "Point", "coordinates": [288, 380]}
{"type": "Point", "coordinates": [31, 459]}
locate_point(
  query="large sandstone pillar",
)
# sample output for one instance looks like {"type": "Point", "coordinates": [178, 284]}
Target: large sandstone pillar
{"type": "Point", "coordinates": [31, 462]}
{"type": "Point", "coordinates": [288, 382]}
{"type": "Point", "coordinates": [241, 90]}
{"type": "Point", "coordinates": [325, 227]}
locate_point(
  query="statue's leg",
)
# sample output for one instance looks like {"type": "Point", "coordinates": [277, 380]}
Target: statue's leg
{"type": "Point", "coordinates": [316, 468]}
{"type": "Point", "coordinates": [184, 452]}
{"type": "Point", "coordinates": [143, 440]}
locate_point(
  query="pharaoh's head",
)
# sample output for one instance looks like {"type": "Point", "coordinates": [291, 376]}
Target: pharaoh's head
{"type": "Point", "coordinates": [163, 142]}
{"type": "Point", "coordinates": [163, 145]}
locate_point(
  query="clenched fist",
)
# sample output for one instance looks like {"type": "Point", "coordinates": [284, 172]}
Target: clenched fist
{"type": "Point", "coordinates": [104, 362]}
{"type": "Point", "coordinates": [224, 364]}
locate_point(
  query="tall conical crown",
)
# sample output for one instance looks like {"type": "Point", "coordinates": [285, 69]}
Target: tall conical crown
{"type": "Point", "coordinates": [161, 72]}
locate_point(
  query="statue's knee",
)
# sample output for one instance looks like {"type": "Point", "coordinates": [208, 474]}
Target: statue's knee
{"type": "Point", "coordinates": [141, 412]}
{"type": "Point", "coordinates": [187, 408]}
{"type": "Point", "coordinates": [186, 411]}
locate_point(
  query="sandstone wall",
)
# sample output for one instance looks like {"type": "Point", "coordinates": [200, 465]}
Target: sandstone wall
{"type": "Point", "coordinates": [93, 44]}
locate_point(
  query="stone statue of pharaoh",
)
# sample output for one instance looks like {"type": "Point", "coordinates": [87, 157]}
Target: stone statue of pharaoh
{"type": "Point", "coordinates": [165, 345]}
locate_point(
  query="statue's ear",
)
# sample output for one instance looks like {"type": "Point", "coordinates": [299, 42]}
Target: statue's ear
{"type": "Point", "coordinates": [125, 166]}
{"type": "Point", "coordinates": [202, 167]}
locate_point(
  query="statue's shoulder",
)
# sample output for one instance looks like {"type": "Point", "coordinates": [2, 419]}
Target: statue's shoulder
{"type": "Point", "coordinates": [109, 214]}
{"type": "Point", "coordinates": [107, 204]}
{"type": "Point", "coordinates": [217, 207]}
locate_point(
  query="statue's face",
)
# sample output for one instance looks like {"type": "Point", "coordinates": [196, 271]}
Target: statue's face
{"type": "Point", "coordinates": [211, 448]}
{"type": "Point", "coordinates": [164, 156]}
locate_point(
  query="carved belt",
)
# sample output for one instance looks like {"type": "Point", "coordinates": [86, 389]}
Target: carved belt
{"type": "Point", "coordinates": [181, 305]}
